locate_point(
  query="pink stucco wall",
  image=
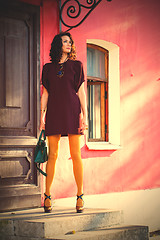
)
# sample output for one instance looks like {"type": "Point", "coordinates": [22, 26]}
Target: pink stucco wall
{"type": "Point", "coordinates": [133, 26]}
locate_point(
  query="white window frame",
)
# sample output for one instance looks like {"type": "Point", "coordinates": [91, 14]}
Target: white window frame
{"type": "Point", "coordinates": [113, 98]}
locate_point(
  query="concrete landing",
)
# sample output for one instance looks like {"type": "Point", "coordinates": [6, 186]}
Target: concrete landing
{"type": "Point", "coordinates": [35, 224]}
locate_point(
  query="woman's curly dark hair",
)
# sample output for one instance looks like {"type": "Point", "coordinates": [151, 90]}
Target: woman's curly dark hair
{"type": "Point", "coordinates": [56, 48]}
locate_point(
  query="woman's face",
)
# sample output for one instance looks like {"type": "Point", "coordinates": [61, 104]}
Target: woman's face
{"type": "Point", "coordinates": [66, 44]}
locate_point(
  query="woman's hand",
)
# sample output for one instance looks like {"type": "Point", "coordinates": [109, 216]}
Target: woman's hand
{"type": "Point", "coordinates": [83, 125]}
{"type": "Point", "coordinates": [42, 121]}
{"type": "Point", "coordinates": [42, 124]}
{"type": "Point", "coordinates": [83, 120]}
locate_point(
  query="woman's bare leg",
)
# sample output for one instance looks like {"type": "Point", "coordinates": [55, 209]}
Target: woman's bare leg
{"type": "Point", "coordinates": [75, 151]}
{"type": "Point", "coordinates": [50, 167]}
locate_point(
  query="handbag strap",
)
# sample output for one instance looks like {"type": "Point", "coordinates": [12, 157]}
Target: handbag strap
{"type": "Point", "coordinates": [39, 169]}
{"type": "Point", "coordinates": [44, 135]}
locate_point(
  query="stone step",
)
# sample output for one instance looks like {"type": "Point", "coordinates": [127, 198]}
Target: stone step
{"type": "Point", "coordinates": [116, 233]}
{"type": "Point", "coordinates": [19, 197]}
{"type": "Point", "coordinates": [113, 233]}
{"type": "Point", "coordinates": [36, 224]}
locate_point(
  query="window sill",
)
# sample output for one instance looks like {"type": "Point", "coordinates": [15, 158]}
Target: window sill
{"type": "Point", "coordinates": [102, 146]}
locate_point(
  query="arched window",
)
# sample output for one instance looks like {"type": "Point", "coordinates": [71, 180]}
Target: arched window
{"type": "Point", "coordinates": [103, 83]}
{"type": "Point", "coordinates": [97, 91]}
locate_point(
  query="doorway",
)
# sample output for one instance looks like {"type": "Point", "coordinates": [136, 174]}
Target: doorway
{"type": "Point", "coordinates": [19, 104]}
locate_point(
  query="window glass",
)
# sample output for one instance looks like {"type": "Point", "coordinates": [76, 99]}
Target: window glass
{"type": "Point", "coordinates": [95, 63]}
{"type": "Point", "coordinates": [94, 102]}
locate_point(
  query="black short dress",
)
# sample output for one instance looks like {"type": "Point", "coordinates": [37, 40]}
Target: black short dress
{"type": "Point", "coordinates": [63, 107]}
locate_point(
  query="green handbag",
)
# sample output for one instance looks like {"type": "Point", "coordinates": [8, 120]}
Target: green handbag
{"type": "Point", "coordinates": [40, 155]}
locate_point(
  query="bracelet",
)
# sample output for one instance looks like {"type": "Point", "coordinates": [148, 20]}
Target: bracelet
{"type": "Point", "coordinates": [43, 110]}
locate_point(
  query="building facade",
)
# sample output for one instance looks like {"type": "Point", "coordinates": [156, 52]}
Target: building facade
{"type": "Point", "coordinates": [118, 44]}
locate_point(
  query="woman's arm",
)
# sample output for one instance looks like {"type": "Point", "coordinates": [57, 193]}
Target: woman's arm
{"type": "Point", "coordinates": [82, 97]}
{"type": "Point", "coordinates": [44, 101]}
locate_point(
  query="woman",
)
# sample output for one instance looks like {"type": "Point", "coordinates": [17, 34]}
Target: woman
{"type": "Point", "coordinates": [62, 100]}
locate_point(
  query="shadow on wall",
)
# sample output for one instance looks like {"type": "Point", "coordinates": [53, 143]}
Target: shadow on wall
{"type": "Point", "coordinates": [139, 158]}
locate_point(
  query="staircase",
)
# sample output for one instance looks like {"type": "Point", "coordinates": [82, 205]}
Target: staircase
{"type": "Point", "coordinates": [65, 223]}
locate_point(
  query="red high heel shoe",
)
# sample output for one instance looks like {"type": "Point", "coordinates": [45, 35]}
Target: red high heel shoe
{"type": "Point", "coordinates": [47, 209]}
{"type": "Point", "coordinates": [80, 208]}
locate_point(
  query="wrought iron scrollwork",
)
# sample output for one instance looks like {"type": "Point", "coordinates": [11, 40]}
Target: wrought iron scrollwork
{"type": "Point", "coordinates": [72, 10]}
